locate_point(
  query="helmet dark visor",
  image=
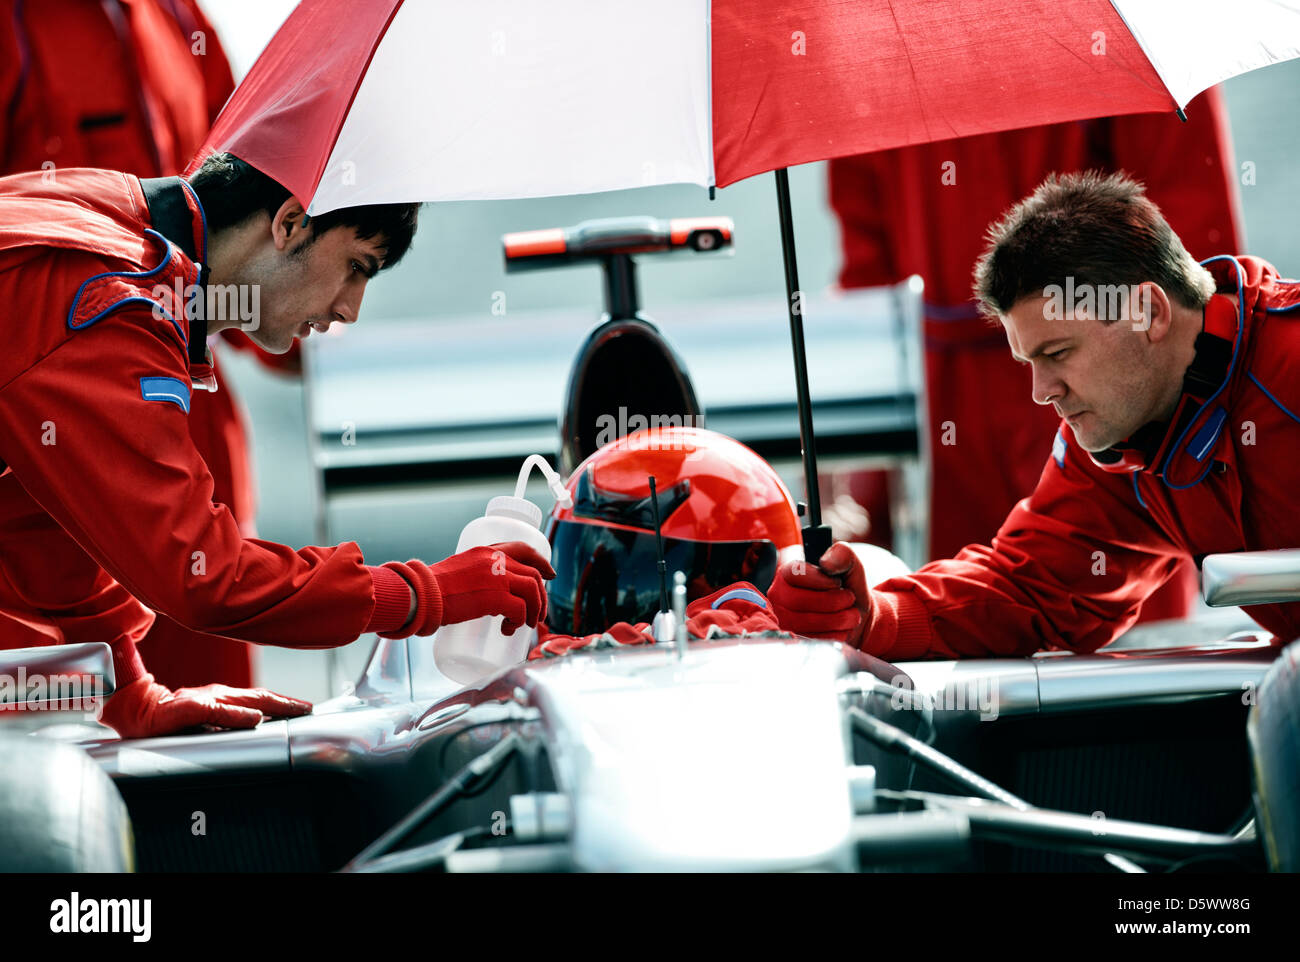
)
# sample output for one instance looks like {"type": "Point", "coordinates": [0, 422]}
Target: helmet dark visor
{"type": "Point", "coordinates": [605, 575]}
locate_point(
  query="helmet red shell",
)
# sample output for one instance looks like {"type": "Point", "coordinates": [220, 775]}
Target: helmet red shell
{"type": "Point", "coordinates": [725, 517]}
{"type": "Point", "coordinates": [734, 495]}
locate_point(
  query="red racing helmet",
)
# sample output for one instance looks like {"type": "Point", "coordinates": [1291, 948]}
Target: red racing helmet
{"type": "Point", "coordinates": [725, 516]}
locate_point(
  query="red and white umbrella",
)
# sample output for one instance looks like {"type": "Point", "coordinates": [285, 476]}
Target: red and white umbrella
{"type": "Point", "coordinates": [423, 100]}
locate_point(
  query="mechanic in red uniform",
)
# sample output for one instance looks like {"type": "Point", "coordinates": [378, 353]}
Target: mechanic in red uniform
{"type": "Point", "coordinates": [106, 506]}
{"type": "Point", "coordinates": [1178, 441]}
{"type": "Point", "coordinates": [923, 210]}
{"type": "Point", "coordinates": [134, 85]}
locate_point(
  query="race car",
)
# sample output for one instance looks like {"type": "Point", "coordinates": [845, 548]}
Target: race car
{"type": "Point", "coordinates": [737, 754]}
{"type": "Point", "coordinates": [704, 737]}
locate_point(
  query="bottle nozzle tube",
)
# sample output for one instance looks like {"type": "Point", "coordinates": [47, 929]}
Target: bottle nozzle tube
{"type": "Point", "coordinates": [553, 480]}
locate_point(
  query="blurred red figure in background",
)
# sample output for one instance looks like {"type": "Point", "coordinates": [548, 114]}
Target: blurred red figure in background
{"type": "Point", "coordinates": [924, 210]}
{"type": "Point", "coordinates": [134, 85]}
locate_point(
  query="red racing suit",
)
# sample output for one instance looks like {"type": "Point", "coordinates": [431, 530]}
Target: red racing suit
{"type": "Point", "coordinates": [924, 209]}
{"type": "Point", "coordinates": [105, 504]}
{"type": "Point", "coordinates": [1071, 564]}
{"type": "Point", "coordinates": [133, 85]}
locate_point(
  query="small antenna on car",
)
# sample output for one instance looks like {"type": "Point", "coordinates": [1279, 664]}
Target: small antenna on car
{"type": "Point", "coordinates": [659, 549]}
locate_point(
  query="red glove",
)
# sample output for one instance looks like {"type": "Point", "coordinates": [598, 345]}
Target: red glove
{"type": "Point", "coordinates": [738, 609]}
{"type": "Point", "coordinates": [618, 636]}
{"type": "Point", "coordinates": [830, 601]}
{"type": "Point", "coordinates": [500, 579]}
{"type": "Point", "coordinates": [735, 610]}
{"type": "Point", "coordinates": [144, 708]}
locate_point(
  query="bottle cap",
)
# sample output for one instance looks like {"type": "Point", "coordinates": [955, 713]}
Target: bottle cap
{"type": "Point", "coordinates": [520, 509]}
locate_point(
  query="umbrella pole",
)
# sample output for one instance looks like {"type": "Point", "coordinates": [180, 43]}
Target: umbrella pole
{"type": "Point", "coordinates": [816, 536]}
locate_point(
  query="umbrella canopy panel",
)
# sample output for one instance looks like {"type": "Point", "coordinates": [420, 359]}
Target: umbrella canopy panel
{"type": "Point", "coordinates": [483, 101]}
{"type": "Point", "coordinates": [285, 116]}
{"type": "Point", "coordinates": [804, 80]}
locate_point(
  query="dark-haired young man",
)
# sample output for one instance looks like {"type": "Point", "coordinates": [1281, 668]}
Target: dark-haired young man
{"type": "Point", "coordinates": [135, 86]}
{"type": "Point", "coordinates": [1181, 416]}
{"type": "Point", "coordinates": [106, 507]}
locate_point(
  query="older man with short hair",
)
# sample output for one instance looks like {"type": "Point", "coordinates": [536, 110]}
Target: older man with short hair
{"type": "Point", "coordinates": [1181, 417]}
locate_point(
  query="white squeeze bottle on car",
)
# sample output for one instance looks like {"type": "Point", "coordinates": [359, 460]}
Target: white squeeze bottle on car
{"type": "Point", "coordinates": [472, 650]}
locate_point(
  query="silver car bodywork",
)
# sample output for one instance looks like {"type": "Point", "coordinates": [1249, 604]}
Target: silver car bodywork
{"type": "Point", "coordinates": [737, 756]}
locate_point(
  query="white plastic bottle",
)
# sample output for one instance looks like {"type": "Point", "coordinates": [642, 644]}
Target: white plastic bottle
{"type": "Point", "coordinates": [472, 650]}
